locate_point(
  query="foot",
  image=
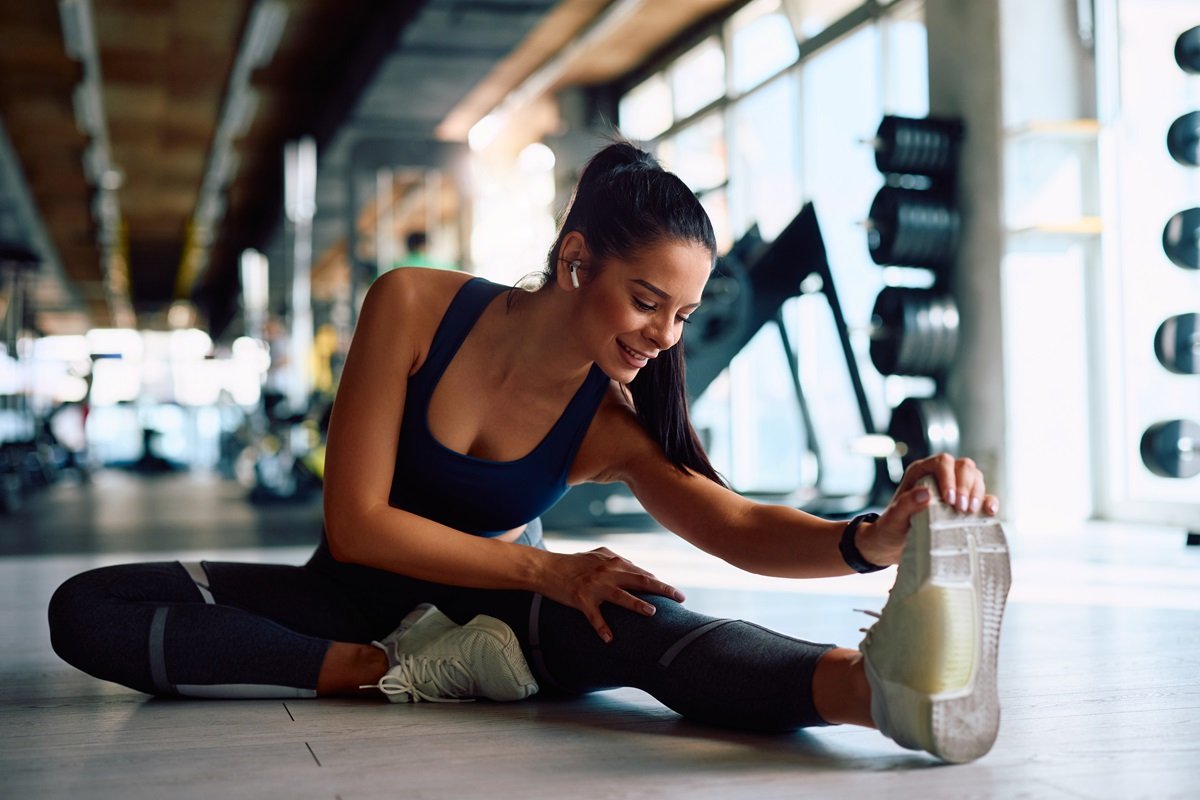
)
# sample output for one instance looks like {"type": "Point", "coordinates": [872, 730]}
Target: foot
{"type": "Point", "coordinates": [422, 625]}
{"type": "Point", "coordinates": [434, 660]}
{"type": "Point", "coordinates": [931, 658]}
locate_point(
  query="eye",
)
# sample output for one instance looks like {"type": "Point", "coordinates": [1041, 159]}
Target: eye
{"type": "Point", "coordinates": [642, 306]}
{"type": "Point", "coordinates": [685, 320]}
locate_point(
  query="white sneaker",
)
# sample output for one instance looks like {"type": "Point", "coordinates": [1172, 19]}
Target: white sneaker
{"type": "Point", "coordinates": [422, 625]}
{"type": "Point", "coordinates": [931, 658]}
{"type": "Point", "coordinates": [434, 660]}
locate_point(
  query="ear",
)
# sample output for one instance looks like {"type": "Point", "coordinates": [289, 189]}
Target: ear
{"type": "Point", "coordinates": [574, 248]}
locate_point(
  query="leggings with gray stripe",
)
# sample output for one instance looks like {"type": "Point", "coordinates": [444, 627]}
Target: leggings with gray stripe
{"type": "Point", "coordinates": [254, 630]}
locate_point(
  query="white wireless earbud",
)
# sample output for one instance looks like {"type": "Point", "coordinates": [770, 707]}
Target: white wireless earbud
{"type": "Point", "coordinates": [574, 265]}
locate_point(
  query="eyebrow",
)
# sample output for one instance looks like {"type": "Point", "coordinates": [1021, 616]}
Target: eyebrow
{"type": "Point", "coordinates": [651, 287]}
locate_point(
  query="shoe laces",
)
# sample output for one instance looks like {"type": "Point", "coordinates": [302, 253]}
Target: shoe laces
{"type": "Point", "coordinates": [434, 680]}
{"type": "Point", "coordinates": [877, 616]}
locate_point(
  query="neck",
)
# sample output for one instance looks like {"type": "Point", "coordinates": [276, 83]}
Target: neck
{"type": "Point", "coordinates": [534, 342]}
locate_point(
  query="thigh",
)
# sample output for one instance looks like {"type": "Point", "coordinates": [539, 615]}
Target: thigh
{"type": "Point", "coordinates": [298, 598]}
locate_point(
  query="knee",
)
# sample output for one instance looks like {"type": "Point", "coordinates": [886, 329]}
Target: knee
{"type": "Point", "coordinates": [68, 612]}
{"type": "Point", "coordinates": [664, 607]}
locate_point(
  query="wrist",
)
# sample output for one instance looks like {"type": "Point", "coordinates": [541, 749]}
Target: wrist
{"type": "Point", "coordinates": [860, 559]}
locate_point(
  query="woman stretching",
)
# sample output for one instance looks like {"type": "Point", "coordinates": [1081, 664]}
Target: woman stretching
{"type": "Point", "coordinates": [464, 411]}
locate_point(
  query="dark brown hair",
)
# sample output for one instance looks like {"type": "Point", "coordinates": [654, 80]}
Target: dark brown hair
{"type": "Point", "coordinates": [625, 201]}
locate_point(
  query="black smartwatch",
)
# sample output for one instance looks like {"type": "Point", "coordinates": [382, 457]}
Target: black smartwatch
{"type": "Point", "coordinates": [850, 553]}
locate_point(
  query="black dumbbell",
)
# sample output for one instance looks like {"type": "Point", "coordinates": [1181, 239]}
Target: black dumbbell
{"type": "Point", "coordinates": [1183, 139]}
{"type": "Point", "coordinates": [1177, 344]}
{"type": "Point", "coordinates": [1171, 449]}
{"type": "Point", "coordinates": [1187, 50]}
{"type": "Point", "coordinates": [1181, 238]}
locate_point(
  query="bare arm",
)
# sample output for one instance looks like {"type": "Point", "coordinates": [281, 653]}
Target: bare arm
{"type": "Point", "coordinates": [757, 537]}
{"type": "Point", "coordinates": [771, 539]}
{"type": "Point", "coordinates": [364, 432]}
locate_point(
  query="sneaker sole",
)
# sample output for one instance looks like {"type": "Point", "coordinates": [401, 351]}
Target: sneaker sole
{"type": "Point", "coordinates": [966, 551]}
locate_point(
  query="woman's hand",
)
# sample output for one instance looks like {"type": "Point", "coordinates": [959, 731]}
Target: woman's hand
{"type": "Point", "coordinates": [961, 486]}
{"type": "Point", "coordinates": [585, 580]}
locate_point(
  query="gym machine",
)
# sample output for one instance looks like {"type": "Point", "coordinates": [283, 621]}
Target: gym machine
{"type": "Point", "coordinates": [31, 458]}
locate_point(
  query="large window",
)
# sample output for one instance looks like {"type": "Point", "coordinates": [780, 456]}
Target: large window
{"type": "Point", "coordinates": [787, 127]}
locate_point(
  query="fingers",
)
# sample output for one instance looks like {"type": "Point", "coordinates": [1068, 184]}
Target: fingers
{"type": "Point", "coordinates": [597, 621]}
{"type": "Point", "coordinates": [638, 578]}
{"type": "Point", "coordinates": [969, 485]}
{"type": "Point", "coordinates": [960, 483]}
{"type": "Point", "coordinates": [912, 501]}
{"type": "Point", "coordinates": [607, 577]}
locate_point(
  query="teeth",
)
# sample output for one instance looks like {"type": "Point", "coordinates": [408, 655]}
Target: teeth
{"type": "Point", "coordinates": [633, 353]}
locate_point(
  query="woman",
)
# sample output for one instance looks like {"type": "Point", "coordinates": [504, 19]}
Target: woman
{"type": "Point", "coordinates": [464, 411]}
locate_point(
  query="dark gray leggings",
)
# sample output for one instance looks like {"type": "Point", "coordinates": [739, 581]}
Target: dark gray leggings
{"type": "Point", "coordinates": [216, 629]}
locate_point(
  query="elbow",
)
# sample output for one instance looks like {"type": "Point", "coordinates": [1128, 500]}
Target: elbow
{"type": "Point", "coordinates": [335, 538]}
{"type": "Point", "coordinates": [340, 534]}
{"type": "Point", "coordinates": [337, 547]}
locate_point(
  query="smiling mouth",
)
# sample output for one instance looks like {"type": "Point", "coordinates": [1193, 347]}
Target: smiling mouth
{"type": "Point", "coordinates": [634, 354]}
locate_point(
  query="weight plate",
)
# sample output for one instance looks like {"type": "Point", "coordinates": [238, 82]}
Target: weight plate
{"type": "Point", "coordinates": [1171, 449]}
{"type": "Point", "coordinates": [1177, 344]}
{"type": "Point", "coordinates": [1183, 139]}
{"type": "Point", "coordinates": [907, 146]}
{"type": "Point", "coordinates": [915, 332]}
{"type": "Point", "coordinates": [1187, 50]}
{"type": "Point", "coordinates": [922, 426]}
{"type": "Point", "coordinates": [912, 227]}
{"type": "Point", "coordinates": [1181, 239]}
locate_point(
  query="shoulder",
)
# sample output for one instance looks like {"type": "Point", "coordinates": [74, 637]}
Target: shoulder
{"type": "Point", "coordinates": [407, 304]}
{"type": "Point", "coordinates": [415, 289]}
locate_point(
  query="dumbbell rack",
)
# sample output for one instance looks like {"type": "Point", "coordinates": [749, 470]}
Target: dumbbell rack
{"type": "Point", "coordinates": [914, 221]}
{"type": "Point", "coordinates": [1170, 448]}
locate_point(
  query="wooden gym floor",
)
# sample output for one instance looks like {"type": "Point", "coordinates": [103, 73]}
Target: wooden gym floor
{"type": "Point", "coordinates": [1100, 679]}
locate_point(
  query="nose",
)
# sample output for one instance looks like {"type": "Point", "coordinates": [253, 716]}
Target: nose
{"type": "Point", "coordinates": [661, 332]}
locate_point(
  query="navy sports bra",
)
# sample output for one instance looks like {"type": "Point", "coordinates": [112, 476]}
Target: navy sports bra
{"type": "Point", "coordinates": [470, 494]}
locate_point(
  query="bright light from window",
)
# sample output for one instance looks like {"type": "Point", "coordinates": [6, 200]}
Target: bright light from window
{"type": "Point", "coordinates": [190, 345]}
{"type": "Point", "coordinates": [10, 378]}
{"type": "Point", "coordinates": [484, 132]}
{"type": "Point", "coordinates": [61, 348]}
{"type": "Point", "coordinates": [115, 381]}
{"type": "Point", "coordinates": [123, 342]}
{"type": "Point", "coordinates": [252, 352]}
{"type": "Point", "coordinates": [645, 111]}
{"type": "Point", "coordinates": [536, 157]}
{"type": "Point", "coordinates": [698, 77]}
{"type": "Point", "coordinates": [199, 384]}
{"type": "Point", "coordinates": [763, 43]}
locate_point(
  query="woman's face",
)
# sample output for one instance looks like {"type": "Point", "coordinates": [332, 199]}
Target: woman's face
{"type": "Point", "coordinates": [636, 307]}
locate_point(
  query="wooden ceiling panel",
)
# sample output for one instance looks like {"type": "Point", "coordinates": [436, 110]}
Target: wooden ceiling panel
{"type": "Point", "coordinates": [134, 28]}
{"type": "Point", "coordinates": [41, 114]}
{"type": "Point", "coordinates": [158, 207]}
{"type": "Point", "coordinates": [641, 34]}
{"type": "Point", "coordinates": [166, 66]}
{"type": "Point", "coordinates": [132, 102]}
